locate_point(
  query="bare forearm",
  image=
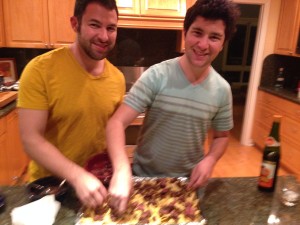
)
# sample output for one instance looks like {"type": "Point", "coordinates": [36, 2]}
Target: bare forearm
{"type": "Point", "coordinates": [44, 153]}
{"type": "Point", "coordinates": [203, 170]}
{"type": "Point", "coordinates": [217, 148]}
{"type": "Point", "coordinates": [115, 137]}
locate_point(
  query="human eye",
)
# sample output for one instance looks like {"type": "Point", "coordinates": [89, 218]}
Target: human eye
{"type": "Point", "coordinates": [94, 25]}
{"type": "Point", "coordinates": [112, 29]}
{"type": "Point", "coordinates": [215, 37]}
{"type": "Point", "coordinates": [197, 33]}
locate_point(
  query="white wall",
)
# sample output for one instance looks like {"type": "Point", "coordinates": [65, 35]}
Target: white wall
{"type": "Point", "coordinates": [265, 43]}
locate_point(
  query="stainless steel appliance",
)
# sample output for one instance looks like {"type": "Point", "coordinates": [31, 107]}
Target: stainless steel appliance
{"type": "Point", "coordinates": [131, 73]}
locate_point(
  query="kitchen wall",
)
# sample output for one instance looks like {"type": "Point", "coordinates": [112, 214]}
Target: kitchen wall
{"type": "Point", "coordinates": [134, 47]}
{"type": "Point", "coordinates": [21, 55]}
{"type": "Point", "coordinates": [270, 68]}
{"type": "Point", "coordinates": [144, 47]}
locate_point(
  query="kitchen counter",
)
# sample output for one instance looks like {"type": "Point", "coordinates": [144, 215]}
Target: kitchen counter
{"type": "Point", "coordinates": [283, 93]}
{"type": "Point", "coordinates": [7, 109]}
{"type": "Point", "coordinates": [226, 201]}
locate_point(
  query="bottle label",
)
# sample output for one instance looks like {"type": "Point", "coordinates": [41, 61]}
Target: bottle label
{"type": "Point", "coordinates": [267, 174]}
{"type": "Point", "coordinates": [271, 142]}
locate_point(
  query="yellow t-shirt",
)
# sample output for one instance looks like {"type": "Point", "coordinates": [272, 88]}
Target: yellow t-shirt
{"type": "Point", "coordinates": [78, 103]}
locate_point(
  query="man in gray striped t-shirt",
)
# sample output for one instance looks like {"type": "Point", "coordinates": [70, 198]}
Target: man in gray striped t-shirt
{"type": "Point", "coordinates": [183, 97]}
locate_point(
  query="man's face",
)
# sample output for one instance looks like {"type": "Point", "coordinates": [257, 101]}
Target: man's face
{"type": "Point", "coordinates": [204, 41]}
{"type": "Point", "coordinates": [97, 31]}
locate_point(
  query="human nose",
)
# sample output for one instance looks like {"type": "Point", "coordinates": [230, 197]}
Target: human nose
{"type": "Point", "coordinates": [103, 35]}
{"type": "Point", "coordinates": [203, 42]}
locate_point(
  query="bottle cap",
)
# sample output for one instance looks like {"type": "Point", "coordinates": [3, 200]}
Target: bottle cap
{"type": "Point", "coordinates": [277, 118]}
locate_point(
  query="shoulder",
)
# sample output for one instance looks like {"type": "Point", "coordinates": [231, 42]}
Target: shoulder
{"type": "Point", "coordinates": [167, 64]}
{"type": "Point", "coordinates": [163, 69]}
{"type": "Point", "coordinates": [50, 57]}
{"type": "Point", "coordinates": [111, 69]}
{"type": "Point", "coordinates": [218, 79]}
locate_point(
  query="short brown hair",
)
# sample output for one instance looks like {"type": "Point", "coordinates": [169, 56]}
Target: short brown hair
{"type": "Point", "coordinates": [224, 10]}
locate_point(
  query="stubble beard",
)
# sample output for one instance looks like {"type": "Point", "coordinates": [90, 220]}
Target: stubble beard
{"type": "Point", "coordinates": [87, 49]}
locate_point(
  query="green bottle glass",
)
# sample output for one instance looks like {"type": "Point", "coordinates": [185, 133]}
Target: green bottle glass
{"type": "Point", "coordinates": [271, 158]}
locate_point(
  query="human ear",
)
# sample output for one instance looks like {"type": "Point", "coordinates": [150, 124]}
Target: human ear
{"type": "Point", "coordinates": [74, 23]}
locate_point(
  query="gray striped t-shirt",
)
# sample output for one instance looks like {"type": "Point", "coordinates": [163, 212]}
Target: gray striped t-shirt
{"type": "Point", "coordinates": [178, 117]}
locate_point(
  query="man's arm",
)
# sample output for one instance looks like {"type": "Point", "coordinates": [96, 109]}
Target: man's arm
{"type": "Point", "coordinates": [32, 128]}
{"type": "Point", "coordinates": [121, 183]}
{"type": "Point", "coordinates": [203, 170]}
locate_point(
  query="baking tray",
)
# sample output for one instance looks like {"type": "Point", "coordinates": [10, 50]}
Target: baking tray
{"type": "Point", "coordinates": [203, 221]}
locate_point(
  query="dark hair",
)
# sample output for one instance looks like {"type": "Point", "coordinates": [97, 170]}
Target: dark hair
{"type": "Point", "coordinates": [80, 6]}
{"type": "Point", "coordinates": [224, 10]}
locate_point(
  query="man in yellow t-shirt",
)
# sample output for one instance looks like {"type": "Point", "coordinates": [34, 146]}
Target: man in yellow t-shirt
{"type": "Point", "coordinates": [66, 97]}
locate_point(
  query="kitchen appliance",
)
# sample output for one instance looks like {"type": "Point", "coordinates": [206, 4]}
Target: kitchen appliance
{"type": "Point", "coordinates": [131, 73]}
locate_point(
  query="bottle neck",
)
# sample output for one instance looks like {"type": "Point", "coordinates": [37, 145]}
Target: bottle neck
{"type": "Point", "coordinates": [273, 138]}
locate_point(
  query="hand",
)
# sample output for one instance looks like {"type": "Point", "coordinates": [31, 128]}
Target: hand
{"type": "Point", "coordinates": [89, 189]}
{"type": "Point", "coordinates": [120, 190]}
{"type": "Point", "coordinates": [201, 173]}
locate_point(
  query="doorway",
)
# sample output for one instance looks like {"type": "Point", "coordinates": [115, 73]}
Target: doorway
{"type": "Point", "coordinates": [234, 63]}
{"type": "Point", "coordinates": [256, 67]}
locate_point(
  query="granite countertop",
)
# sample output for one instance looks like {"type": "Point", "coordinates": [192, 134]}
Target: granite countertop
{"type": "Point", "coordinates": [283, 93]}
{"type": "Point", "coordinates": [7, 109]}
{"type": "Point", "coordinates": [224, 201]}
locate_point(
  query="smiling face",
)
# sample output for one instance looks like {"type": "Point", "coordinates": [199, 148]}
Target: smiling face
{"type": "Point", "coordinates": [204, 41]}
{"type": "Point", "coordinates": [97, 31]}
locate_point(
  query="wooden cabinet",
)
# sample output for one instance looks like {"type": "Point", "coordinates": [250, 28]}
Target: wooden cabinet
{"type": "Point", "coordinates": [267, 105]}
{"type": "Point", "coordinates": [156, 8]}
{"type": "Point", "coordinates": [154, 14]}
{"type": "Point", "coordinates": [288, 39]}
{"type": "Point", "coordinates": [1, 26]}
{"type": "Point", "coordinates": [126, 7]}
{"type": "Point", "coordinates": [46, 23]}
{"type": "Point", "coordinates": [13, 160]}
{"type": "Point", "coordinates": [60, 12]}
{"type": "Point", "coordinates": [38, 24]}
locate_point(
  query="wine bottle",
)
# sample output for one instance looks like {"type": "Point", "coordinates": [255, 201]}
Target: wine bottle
{"type": "Point", "coordinates": [271, 158]}
{"type": "Point", "coordinates": [280, 78]}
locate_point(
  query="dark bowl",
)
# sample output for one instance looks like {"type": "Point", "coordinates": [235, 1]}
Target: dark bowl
{"type": "Point", "coordinates": [38, 188]}
{"type": "Point", "coordinates": [100, 166]}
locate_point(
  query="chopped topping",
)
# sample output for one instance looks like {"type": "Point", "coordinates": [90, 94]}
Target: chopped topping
{"type": "Point", "coordinates": [154, 201]}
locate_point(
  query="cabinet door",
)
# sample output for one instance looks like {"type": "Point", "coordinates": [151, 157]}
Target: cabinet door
{"type": "Point", "coordinates": [290, 155]}
{"type": "Point", "coordinates": [3, 161]}
{"type": "Point", "coordinates": [128, 7]}
{"type": "Point", "coordinates": [17, 159]}
{"type": "Point", "coordinates": [1, 25]}
{"type": "Point", "coordinates": [158, 8]}
{"type": "Point", "coordinates": [26, 23]}
{"type": "Point", "coordinates": [288, 27]}
{"type": "Point", "coordinates": [3, 157]}
{"type": "Point", "coordinates": [61, 32]}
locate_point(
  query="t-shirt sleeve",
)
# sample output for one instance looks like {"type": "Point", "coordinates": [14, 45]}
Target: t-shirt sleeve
{"type": "Point", "coordinates": [32, 93]}
{"type": "Point", "coordinates": [223, 120]}
{"type": "Point", "coordinates": [144, 90]}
